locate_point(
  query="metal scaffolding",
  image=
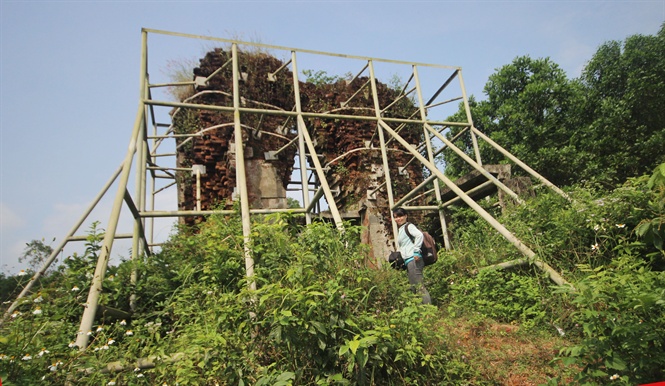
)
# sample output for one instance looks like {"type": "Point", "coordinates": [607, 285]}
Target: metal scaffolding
{"type": "Point", "coordinates": [155, 168]}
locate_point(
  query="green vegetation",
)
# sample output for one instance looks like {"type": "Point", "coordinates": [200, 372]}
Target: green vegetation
{"type": "Point", "coordinates": [320, 316]}
{"type": "Point", "coordinates": [313, 320]}
{"type": "Point", "coordinates": [322, 78]}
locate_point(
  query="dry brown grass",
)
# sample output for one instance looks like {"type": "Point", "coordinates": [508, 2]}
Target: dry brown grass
{"type": "Point", "coordinates": [502, 354]}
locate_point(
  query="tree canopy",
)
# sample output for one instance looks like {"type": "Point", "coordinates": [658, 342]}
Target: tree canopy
{"type": "Point", "coordinates": [605, 127]}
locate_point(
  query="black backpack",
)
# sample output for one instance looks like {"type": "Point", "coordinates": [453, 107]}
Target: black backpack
{"type": "Point", "coordinates": [396, 261]}
{"type": "Point", "coordinates": [428, 249]}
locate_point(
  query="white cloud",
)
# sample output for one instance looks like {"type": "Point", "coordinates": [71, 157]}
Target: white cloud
{"type": "Point", "coordinates": [64, 216]}
{"type": "Point", "coordinates": [9, 219]}
{"type": "Point", "coordinates": [166, 200]}
{"type": "Point", "coordinates": [9, 258]}
{"type": "Point", "coordinates": [573, 57]}
{"type": "Point", "coordinates": [11, 224]}
{"type": "Point", "coordinates": [61, 219]}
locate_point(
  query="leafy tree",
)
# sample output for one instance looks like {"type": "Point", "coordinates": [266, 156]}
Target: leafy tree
{"type": "Point", "coordinates": [35, 253]}
{"type": "Point", "coordinates": [625, 120]}
{"type": "Point", "coordinates": [530, 103]}
{"type": "Point", "coordinates": [606, 126]}
{"type": "Point", "coordinates": [529, 111]}
{"type": "Point", "coordinates": [292, 203]}
{"type": "Point", "coordinates": [9, 287]}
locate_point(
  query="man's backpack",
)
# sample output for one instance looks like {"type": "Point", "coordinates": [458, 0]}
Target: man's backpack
{"type": "Point", "coordinates": [428, 249]}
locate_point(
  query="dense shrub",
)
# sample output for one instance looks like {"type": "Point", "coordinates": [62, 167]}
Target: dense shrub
{"type": "Point", "coordinates": [621, 315]}
{"type": "Point", "coordinates": [318, 316]}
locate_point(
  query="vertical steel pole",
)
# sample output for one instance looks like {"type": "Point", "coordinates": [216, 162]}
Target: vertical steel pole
{"type": "Point", "coordinates": [241, 177]}
{"type": "Point", "coordinates": [384, 152]}
{"type": "Point", "coordinates": [139, 223]}
{"type": "Point", "coordinates": [105, 252]}
{"type": "Point", "coordinates": [430, 156]}
{"type": "Point", "coordinates": [302, 150]}
{"type": "Point", "coordinates": [153, 184]}
{"type": "Point", "coordinates": [469, 119]}
{"type": "Point", "coordinates": [198, 188]}
{"type": "Point", "coordinates": [140, 181]}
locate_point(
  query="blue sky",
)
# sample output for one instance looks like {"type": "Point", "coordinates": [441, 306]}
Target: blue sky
{"type": "Point", "coordinates": [70, 74]}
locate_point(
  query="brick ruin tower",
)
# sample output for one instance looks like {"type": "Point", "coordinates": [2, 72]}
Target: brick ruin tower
{"type": "Point", "coordinates": [349, 148]}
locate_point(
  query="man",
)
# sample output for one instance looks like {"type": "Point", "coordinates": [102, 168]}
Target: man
{"type": "Point", "coordinates": [411, 254]}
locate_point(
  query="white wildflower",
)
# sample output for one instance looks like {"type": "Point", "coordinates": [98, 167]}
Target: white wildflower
{"type": "Point", "coordinates": [15, 314]}
{"type": "Point", "coordinates": [39, 299]}
{"type": "Point", "coordinates": [21, 273]}
{"type": "Point", "coordinates": [105, 347]}
{"type": "Point", "coordinates": [129, 333]}
{"type": "Point", "coordinates": [26, 357]}
{"type": "Point", "coordinates": [43, 351]}
{"type": "Point", "coordinates": [110, 342]}
{"type": "Point", "coordinates": [110, 383]}
{"type": "Point", "coordinates": [139, 375]}
{"type": "Point", "coordinates": [37, 311]}
{"type": "Point", "coordinates": [560, 330]}
{"type": "Point", "coordinates": [75, 288]}
{"type": "Point", "coordinates": [594, 247]}
{"type": "Point", "coordinates": [72, 345]}
{"type": "Point", "coordinates": [620, 226]}
{"type": "Point", "coordinates": [614, 377]}
{"type": "Point", "coordinates": [123, 322]}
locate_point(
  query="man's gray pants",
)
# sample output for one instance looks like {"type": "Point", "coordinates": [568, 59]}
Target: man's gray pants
{"type": "Point", "coordinates": [415, 272]}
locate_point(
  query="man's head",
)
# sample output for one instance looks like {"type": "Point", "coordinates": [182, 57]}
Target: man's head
{"type": "Point", "coordinates": [399, 215]}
